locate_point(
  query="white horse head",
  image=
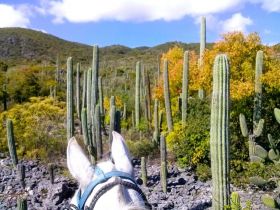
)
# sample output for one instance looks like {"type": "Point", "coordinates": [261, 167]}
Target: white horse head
{"type": "Point", "coordinates": [112, 181]}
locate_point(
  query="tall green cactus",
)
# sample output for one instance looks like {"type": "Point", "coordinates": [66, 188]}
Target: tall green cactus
{"type": "Point", "coordinates": [258, 88]}
{"type": "Point", "coordinates": [100, 89]}
{"type": "Point", "coordinates": [112, 118]}
{"type": "Point", "coordinates": [51, 168]}
{"type": "Point", "coordinates": [84, 100]}
{"type": "Point", "coordinates": [89, 90]}
{"type": "Point", "coordinates": [84, 126]}
{"type": "Point", "coordinates": [137, 94]}
{"type": "Point", "coordinates": [98, 136]}
{"type": "Point", "coordinates": [70, 100]}
{"type": "Point", "coordinates": [201, 92]}
{"type": "Point", "coordinates": [5, 97]}
{"type": "Point", "coordinates": [94, 83]}
{"type": "Point", "coordinates": [21, 174]}
{"type": "Point", "coordinates": [167, 97]}
{"type": "Point", "coordinates": [117, 124]}
{"type": "Point", "coordinates": [156, 123]}
{"type": "Point", "coordinates": [78, 100]}
{"type": "Point", "coordinates": [124, 112]}
{"type": "Point", "coordinates": [219, 134]}
{"type": "Point", "coordinates": [185, 87]}
{"type": "Point", "coordinates": [148, 95]}
{"type": "Point", "coordinates": [144, 171]}
{"type": "Point", "coordinates": [11, 142]}
{"type": "Point", "coordinates": [163, 170]}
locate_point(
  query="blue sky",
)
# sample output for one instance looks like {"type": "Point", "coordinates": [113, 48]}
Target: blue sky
{"type": "Point", "coordinates": [142, 22]}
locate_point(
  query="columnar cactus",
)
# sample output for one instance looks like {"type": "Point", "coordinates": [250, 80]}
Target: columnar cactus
{"type": "Point", "coordinates": [258, 88]}
{"type": "Point", "coordinates": [84, 100]}
{"type": "Point", "coordinates": [94, 83]}
{"type": "Point", "coordinates": [160, 120]}
{"type": "Point", "coordinates": [185, 87]}
{"type": "Point", "coordinates": [201, 92]}
{"type": "Point", "coordinates": [137, 94]}
{"type": "Point", "coordinates": [167, 97]}
{"type": "Point", "coordinates": [21, 174]}
{"type": "Point", "coordinates": [98, 136]}
{"type": "Point", "coordinates": [70, 100]}
{"type": "Point", "coordinates": [89, 90]}
{"type": "Point", "coordinates": [144, 171]}
{"type": "Point", "coordinates": [51, 172]}
{"type": "Point", "coordinates": [133, 119]}
{"type": "Point", "coordinates": [117, 124]}
{"type": "Point", "coordinates": [5, 96]}
{"type": "Point", "coordinates": [219, 134]}
{"type": "Point", "coordinates": [84, 126]}
{"type": "Point", "coordinates": [78, 103]}
{"type": "Point", "coordinates": [112, 118]}
{"type": "Point", "coordinates": [21, 203]}
{"type": "Point", "coordinates": [11, 142]}
{"type": "Point", "coordinates": [156, 123]}
{"type": "Point", "coordinates": [100, 89]}
{"type": "Point", "coordinates": [124, 112]}
{"type": "Point", "coordinates": [148, 95]}
{"type": "Point", "coordinates": [163, 170]}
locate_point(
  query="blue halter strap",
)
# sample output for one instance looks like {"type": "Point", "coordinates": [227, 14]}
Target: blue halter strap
{"type": "Point", "coordinates": [101, 178]}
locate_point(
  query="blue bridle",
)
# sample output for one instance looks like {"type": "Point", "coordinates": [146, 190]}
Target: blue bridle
{"type": "Point", "coordinates": [101, 178]}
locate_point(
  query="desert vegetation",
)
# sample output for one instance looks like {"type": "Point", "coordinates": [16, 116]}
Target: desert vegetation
{"type": "Point", "coordinates": [213, 110]}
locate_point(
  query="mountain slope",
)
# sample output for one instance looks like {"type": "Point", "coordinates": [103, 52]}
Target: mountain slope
{"type": "Point", "coordinates": [21, 46]}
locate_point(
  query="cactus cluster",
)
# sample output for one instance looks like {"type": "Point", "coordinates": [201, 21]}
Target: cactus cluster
{"type": "Point", "coordinates": [91, 114]}
{"type": "Point", "coordinates": [256, 152]}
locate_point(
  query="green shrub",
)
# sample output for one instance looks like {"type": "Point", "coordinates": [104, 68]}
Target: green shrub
{"type": "Point", "coordinates": [141, 148]}
{"type": "Point", "coordinates": [203, 172]}
{"type": "Point", "coordinates": [190, 143]}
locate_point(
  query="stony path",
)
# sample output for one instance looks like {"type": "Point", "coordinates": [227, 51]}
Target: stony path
{"type": "Point", "coordinates": [185, 192]}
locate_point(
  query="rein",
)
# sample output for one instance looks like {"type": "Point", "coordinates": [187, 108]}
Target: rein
{"type": "Point", "coordinates": [101, 178]}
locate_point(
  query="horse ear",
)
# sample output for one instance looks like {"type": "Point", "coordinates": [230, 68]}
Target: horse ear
{"type": "Point", "coordinates": [120, 154]}
{"type": "Point", "coordinates": [78, 164]}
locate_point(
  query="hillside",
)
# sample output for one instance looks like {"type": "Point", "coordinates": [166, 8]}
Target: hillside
{"type": "Point", "coordinates": [20, 46]}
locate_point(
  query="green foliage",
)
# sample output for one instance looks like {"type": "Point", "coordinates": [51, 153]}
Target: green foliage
{"type": "Point", "coordinates": [203, 172]}
{"type": "Point", "coordinates": [269, 201]}
{"type": "Point", "coordinates": [141, 148]}
{"type": "Point", "coordinates": [190, 142]}
{"type": "Point", "coordinates": [38, 127]}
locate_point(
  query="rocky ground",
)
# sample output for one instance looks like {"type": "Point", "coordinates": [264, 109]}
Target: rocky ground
{"type": "Point", "coordinates": [184, 190]}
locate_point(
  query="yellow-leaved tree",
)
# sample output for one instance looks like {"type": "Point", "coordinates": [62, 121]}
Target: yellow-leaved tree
{"type": "Point", "coordinates": [175, 69]}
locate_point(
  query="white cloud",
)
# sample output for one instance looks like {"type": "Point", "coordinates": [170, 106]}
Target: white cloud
{"type": "Point", "coordinates": [13, 17]}
{"type": "Point", "coordinates": [268, 5]}
{"type": "Point", "coordinates": [237, 22]}
{"type": "Point", "coordinates": [134, 10]}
